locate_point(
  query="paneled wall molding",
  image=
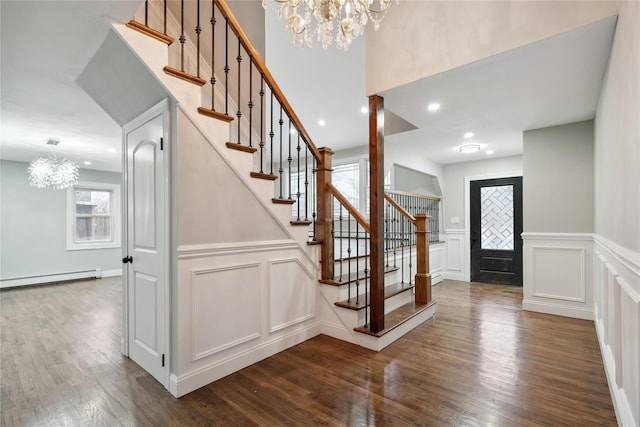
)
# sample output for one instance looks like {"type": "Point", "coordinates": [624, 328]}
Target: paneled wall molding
{"type": "Point", "coordinates": [454, 252]}
{"type": "Point", "coordinates": [617, 318]}
{"type": "Point", "coordinates": [558, 274]}
{"type": "Point", "coordinates": [626, 257]}
{"type": "Point", "coordinates": [291, 293]}
{"type": "Point", "coordinates": [213, 249]}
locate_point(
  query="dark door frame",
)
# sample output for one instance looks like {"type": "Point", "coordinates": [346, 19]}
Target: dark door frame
{"type": "Point", "coordinates": [466, 246]}
{"type": "Point", "coordinates": [496, 265]}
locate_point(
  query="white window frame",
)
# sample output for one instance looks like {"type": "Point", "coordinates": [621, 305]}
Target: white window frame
{"type": "Point", "coordinates": [114, 207]}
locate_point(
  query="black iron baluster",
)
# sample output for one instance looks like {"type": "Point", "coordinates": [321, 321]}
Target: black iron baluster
{"type": "Point", "coordinates": [411, 233]}
{"type": "Point", "coordinates": [281, 169]}
{"type": "Point", "coordinates": [289, 159]}
{"type": "Point", "coordinates": [333, 232]}
{"type": "Point", "coordinates": [198, 31]}
{"type": "Point", "coordinates": [213, 55]}
{"type": "Point", "coordinates": [313, 199]}
{"type": "Point", "coordinates": [226, 66]}
{"type": "Point", "coordinates": [271, 135]}
{"type": "Point", "coordinates": [357, 263]}
{"type": "Point", "coordinates": [182, 38]}
{"type": "Point", "coordinates": [349, 253]}
{"type": "Point", "coordinates": [387, 237]}
{"type": "Point", "coordinates": [239, 113]}
{"type": "Point", "coordinates": [366, 287]}
{"type": "Point", "coordinates": [306, 183]}
{"type": "Point", "coordinates": [402, 247]}
{"type": "Point", "coordinates": [261, 122]}
{"type": "Point", "coordinates": [340, 237]}
{"type": "Point", "coordinates": [164, 27]}
{"type": "Point", "coordinates": [250, 100]}
{"type": "Point", "coordinates": [146, 13]}
{"type": "Point", "coordinates": [298, 194]}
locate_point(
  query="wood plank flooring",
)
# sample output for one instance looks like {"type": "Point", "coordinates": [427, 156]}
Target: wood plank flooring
{"type": "Point", "coordinates": [480, 361]}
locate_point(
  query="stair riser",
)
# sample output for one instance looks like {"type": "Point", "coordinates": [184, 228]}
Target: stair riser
{"type": "Point", "coordinates": [390, 304]}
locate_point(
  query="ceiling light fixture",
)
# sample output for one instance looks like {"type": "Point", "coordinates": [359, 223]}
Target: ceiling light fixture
{"type": "Point", "coordinates": [469, 148]}
{"type": "Point", "coordinates": [489, 152]}
{"type": "Point", "coordinates": [88, 163]}
{"type": "Point", "coordinates": [316, 18]}
{"type": "Point", "coordinates": [321, 122]}
{"type": "Point", "coordinates": [112, 150]}
{"type": "Point", "coordinates": [50, 172]}
{"type": "Point", "coordinates": [468, 135]}
{"type": "Point", "coordinates": [364, 110]}
{"type": "Point", "coordinates": [434, 106]}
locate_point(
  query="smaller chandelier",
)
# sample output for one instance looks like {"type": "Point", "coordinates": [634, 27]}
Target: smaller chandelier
{"type": "Point", "coordinates": [49, 172]}
{"type": "Point", "coordinates": [350, 18]}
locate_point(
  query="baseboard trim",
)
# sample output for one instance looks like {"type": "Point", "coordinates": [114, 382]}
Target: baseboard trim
{"type": "Point", "coordinates": [50, 278]}
{"type": "Point", "coordinates": [447, 275]}
{"type": "Point", "coordinates": [558, 309]}
{"type": "Point", "coordinates": [112, 273]}
{"type": "Point", "coordinates": [183, 384]}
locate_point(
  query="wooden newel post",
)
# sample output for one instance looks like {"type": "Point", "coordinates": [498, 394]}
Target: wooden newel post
{"type": "Point", "coordinates": [324, 219]}
{"type": "Point", "coordinates": [423, 277]}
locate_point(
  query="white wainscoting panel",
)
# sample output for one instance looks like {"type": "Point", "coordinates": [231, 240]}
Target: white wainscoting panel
{"type": "Point", "coordinates": [558, 274]}
{"type": "Point", "coordinates": [291, 293]}
{"type": "Point", "coordinates": [436, 250]}
{"type": "Point", "coordinates": [617, 284]}
{"type": "Point", "coordinates": [236, 304]}
{"type": "Point", "coordinates": [454, 255]}
{"type": "Point", "coordinates": [217, 295]}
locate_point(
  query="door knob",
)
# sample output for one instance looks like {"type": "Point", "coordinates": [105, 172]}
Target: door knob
{"type": "Point", "coordinates": [127, 259]}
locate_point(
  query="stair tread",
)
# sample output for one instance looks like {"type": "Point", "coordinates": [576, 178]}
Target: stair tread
{"type": "Point", "coordinates": [182, 75]}
{"type": "Point", "coordinates": [215, 114]}
{"type": "Point", "coordinates": [280, 201]}
{"type": "Point", "coordinates": [240, 147]}
{"type": "Point", "coordinates": [301, 222]}
{"type": "Point", "coordinates": [397, 317]}
{"type": "Point", "coordinates": [144, 29]}
{"type": "Point", "coordinates": [350, 278]}
{"type": "Point", "coordinates": [389, 291]}
{"type": "Point", "coordinates": [262, 175]}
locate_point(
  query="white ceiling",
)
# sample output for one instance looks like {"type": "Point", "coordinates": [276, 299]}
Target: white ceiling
{"type": "Point", "coordinates": [554, 81]}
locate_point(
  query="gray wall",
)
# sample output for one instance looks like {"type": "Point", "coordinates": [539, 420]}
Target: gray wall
{"type": "Point", "coordinates": [558, 184]}
{"type": "Point", "coordinates": [453, 183]}
{"type": "Point", "coordinates": [250, 14]}
{"type": "Point", "coordinates": [413, 181]}
{"type": "Point", "coordinates": [33, 227]}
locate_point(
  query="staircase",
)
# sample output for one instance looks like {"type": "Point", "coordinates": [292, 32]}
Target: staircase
{"type": "Point", "coordinates": [236, 104]}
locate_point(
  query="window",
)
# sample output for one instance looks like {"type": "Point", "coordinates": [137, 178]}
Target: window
{"type": "Point", "coordinates": [93, 216]}
{"type": "Point", "coordinates": [346, 178]}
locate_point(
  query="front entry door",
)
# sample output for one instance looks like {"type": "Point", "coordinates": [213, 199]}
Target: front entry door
{"type": "Point", "coordinates": [147, 293]}
{"type": "Point", "coordinates": [496, 226]}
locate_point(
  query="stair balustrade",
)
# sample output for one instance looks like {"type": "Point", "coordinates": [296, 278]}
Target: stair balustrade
{"type": "Point", "coordinates": [266, 124]}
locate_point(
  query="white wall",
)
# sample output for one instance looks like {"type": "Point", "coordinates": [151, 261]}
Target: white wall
{"type": "Point", "coordinates": [33, 239]}
{"type": "Point", "coordinates": [617, 217]}
{"type": "Point", "coordinates": [449, 34]}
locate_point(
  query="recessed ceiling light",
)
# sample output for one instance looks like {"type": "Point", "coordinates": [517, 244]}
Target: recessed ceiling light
{"type": "Point", "coordinates": [321, 122]}
{"type": "Point", "coordinates": [87, 163]}
{"type": "Point", "coordinates": [434, 106]}
{"type": "Point", "coordinates": [469, 148]}
{"type": "Point", "coordinates": [489, 152]}
{"type": "Point", "coordinates": [468, 135]}
{"type": "Point", "coordinates": [364, 110]}
{"type": "Point", "coordinates": [293, 131]}
{"type": "Point", "coordinates": [112, 150]}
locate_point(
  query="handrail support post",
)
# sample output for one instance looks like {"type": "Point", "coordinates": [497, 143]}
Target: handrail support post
{"type": "Point", "coordinates": [325, 214]}
{"type": "Point", "coordinates": [422, 277]}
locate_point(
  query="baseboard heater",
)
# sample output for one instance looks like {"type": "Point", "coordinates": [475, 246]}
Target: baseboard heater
{"type": "Point", "coordinates": [50, 278]}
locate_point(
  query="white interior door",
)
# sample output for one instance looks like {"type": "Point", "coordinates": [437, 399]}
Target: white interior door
{"type": "Point", "coordinates": [146, 256]}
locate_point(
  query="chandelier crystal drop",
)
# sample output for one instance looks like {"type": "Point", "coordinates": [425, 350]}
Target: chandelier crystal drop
{"type": "Point", "coordinates": [50, 172]}
{"type": "Point", "coordinates": [304, 18]}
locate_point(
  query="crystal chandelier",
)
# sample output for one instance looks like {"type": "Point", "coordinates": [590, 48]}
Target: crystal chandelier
{"type": "Point", "coordinates": [350, 17]}
{"type": "Point", "coordinates": [49, 172]}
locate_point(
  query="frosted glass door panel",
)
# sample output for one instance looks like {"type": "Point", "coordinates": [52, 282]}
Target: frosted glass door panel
{"type": "Point", "coordinates": [496, 217]}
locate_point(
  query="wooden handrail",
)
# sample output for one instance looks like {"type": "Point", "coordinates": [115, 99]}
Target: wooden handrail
{"type": "Point", "coordinates": [352, 210]}
{"type": "Point", "coordinates": [268, 78]}
{"type": "Point", "coordinates": [399, 208]}
{"type": "Point", "coordinates": [420, 196]}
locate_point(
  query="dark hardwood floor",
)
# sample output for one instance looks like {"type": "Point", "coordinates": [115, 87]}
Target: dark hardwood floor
{"type": "Point", "coordinates": [481, 361]}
